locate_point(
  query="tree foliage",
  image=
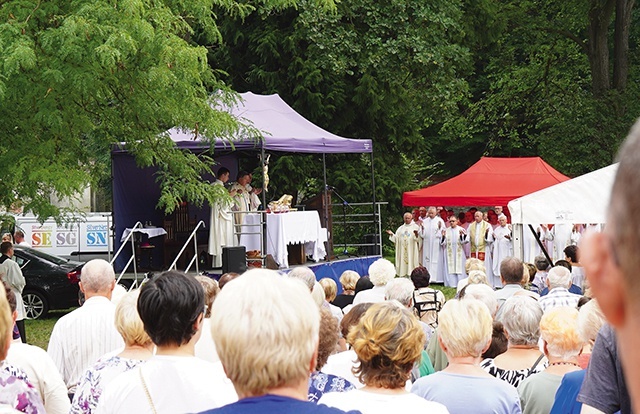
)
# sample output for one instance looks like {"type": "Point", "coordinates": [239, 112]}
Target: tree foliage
{"type": "Point", "coordinates": [79, 76]}
{"type": "Point", "coordinates": [391, 71]}
{"type": "Point", "coordinates": [545, 86]}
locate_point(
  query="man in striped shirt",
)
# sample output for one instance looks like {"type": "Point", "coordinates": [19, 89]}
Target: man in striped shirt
{"type": "Point", "coordinates": [559, 281]}
{"type": "Point", "coordinates": [81, 337]}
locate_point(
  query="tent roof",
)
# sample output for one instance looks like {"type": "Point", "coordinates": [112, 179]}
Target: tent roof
{"type": "Point", "coordinates": [488, 182]}
{"type": "Point", "coordinates": [583, 199]}
{"type": "Point", "coordinates": [284, 129]}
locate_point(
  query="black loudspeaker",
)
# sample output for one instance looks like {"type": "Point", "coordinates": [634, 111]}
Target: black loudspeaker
{"type": "Point", "coordinates": [371, 250]}
{"type": "Point", "coordinates": [234, 259]}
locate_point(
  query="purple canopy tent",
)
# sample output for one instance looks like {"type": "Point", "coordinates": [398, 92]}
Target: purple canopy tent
{"type": "Point", "coordinates": [284, 131]}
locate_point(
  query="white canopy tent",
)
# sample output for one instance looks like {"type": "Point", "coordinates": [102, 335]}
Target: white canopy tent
{"type": "Point", "coordinates": [583, 199]}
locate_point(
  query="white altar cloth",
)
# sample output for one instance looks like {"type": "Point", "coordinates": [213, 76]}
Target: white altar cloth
{"type": "Point", "coordinates": [286, 228]}
{"type": "Point", "coordinates": [149, 231]}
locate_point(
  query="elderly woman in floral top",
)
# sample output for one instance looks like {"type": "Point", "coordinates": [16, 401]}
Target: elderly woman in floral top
{"type": "Point", "coordinates": [319, 382]}
{"type": "Point", "coordinates": [138, 348]}
{"type": "Point", "coordinates": [15, 390]}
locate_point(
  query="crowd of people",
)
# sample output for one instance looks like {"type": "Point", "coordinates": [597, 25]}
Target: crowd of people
{"type": "Point", "coordinates": [437, 239]}
{"type": "Point", "coordinates": [287, 343]}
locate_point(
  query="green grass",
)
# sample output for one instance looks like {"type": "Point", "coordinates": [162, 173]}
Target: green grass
{"type": "Point", "coordinates": [39, 330]}
{"type": "Point", "coordinates": [449, 292]}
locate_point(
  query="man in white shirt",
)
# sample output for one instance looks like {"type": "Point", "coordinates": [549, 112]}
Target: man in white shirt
{"type": "Point", "coordinates": [171, 307]}
{"type": "Point", "coordinates": [559, 281]}
{"type": "Point", "coordinates": [81, 337]}
{"type": "Point", "coordinates": [18, 237]}
{"type": "Point", "coordinates": [11, 273]}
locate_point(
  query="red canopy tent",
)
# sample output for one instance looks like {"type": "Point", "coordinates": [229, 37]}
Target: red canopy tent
{"type": "Point", "coordinates": [488, 182]}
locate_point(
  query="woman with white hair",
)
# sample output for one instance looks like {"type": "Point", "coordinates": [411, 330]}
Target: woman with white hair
{"type": "Point", "coordinates": [480, 292]}
{"type": "Point", "coordinates": [470, 264]}
{"type": "Point", "coordinates": [137, 349]}
{"type": "Point", "coordinates": [520, 317]}
{"type": "Point", "coordinates": [590, 320]}
{"type": "Point", "coordinates": [380, 272]}
{"type": "Point", "coordinates": [388, 342]}
{"type": "Point", "coordinates": [464, 333]}
{"type": "Point", "coordinates": [562, 345]}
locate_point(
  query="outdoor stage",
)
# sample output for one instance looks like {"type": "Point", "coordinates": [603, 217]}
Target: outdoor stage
{"type": "Point", "coordinates": [332, 269]}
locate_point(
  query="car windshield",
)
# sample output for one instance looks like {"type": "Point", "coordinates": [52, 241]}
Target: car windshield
{"type": "Point", "coordinates": [54, 259]}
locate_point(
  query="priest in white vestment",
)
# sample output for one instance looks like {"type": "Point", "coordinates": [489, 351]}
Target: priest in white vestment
{"type": "Point", "coordinates": [431, 233]}
{"type": "Point", "coordinates": [561, 238]}
{"type": "Point", "coordinates": [220, 223]}
{"type": "Point", "coordinates": [244, 197]}
{"type": "Point", "coordinates": [502, 247]}
{"type": "Point", "coordinates": [480, 236]}
{"type": "Point", "coordinates": [453, 239]}
{"type": "Point", "coordinates": [546, 236]}
{"type": "Point", "coordinates": [407, 240]}
{"type": "Point", "coordinates": [530, 247]}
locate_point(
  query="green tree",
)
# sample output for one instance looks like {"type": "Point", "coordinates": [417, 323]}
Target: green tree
{"type": "Point", "coordinates": [77, 77]}
{"type": "Point", "coordinates": [391, 71]}
{"type": "Point", "coordinates": [550, 86]}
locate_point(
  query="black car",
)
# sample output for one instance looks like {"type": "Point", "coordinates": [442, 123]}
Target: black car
{"type": "Point", "coordinates": [52, 282]}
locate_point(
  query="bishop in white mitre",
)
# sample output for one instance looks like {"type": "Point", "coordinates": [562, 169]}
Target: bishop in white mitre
{"type": "Point", "coordinates": [407, 240]}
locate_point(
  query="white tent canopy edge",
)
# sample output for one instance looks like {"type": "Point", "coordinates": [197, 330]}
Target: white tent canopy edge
{"type": "Point", "coordinates": [583, 199]}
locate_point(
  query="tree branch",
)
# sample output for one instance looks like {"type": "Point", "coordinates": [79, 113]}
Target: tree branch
{"type": "Point", "coordinates": [569, 35]}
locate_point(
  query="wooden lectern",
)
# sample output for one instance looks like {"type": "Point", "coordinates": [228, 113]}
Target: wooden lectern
{"type": "Point", "coordinates": [322, 205]}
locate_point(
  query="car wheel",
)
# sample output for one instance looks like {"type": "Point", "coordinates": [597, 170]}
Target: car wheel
{"type": "Point", "coordinates": [35, 305]}
{"type": "Point", "coordinates": [126, 283]}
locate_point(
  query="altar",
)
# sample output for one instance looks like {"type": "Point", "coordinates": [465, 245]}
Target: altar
{"type": "Point", "coordinates": [294, 227]}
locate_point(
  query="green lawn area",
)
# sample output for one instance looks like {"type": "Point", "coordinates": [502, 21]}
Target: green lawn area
{"type": "Point", "coordinates": [39, 330]}
{"type": "Point", "coordinates": [449, 292]}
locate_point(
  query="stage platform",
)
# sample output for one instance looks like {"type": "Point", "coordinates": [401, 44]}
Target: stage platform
{"type": "Point", "coordinates": [331, 269]}
{"type": "Point", "coordinates": [334, 268]}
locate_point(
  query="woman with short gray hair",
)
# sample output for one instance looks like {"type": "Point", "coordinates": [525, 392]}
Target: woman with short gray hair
{"type": "Point", "coordinates": [520, 316]}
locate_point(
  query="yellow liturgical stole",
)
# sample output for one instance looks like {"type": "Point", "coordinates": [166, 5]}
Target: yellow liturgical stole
{"type": "Point", "coordinates": [482, 244]}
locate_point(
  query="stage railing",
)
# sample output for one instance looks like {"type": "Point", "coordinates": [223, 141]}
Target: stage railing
{"type": "Point", "coordinates": [355, 222]}
{"type": "Point", "coordinates": [132, 259]}
{"type": "Point", "coordinates": [191, 237]}
{"type": "Point", "coordinates": [253, 228]}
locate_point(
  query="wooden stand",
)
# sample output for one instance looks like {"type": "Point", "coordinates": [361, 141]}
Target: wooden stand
{"type": "Point", "coordinates": [322, 205]}
{"type": "Point", "coordinates": [296, 254]}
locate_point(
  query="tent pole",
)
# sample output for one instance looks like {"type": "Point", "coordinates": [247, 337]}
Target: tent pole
{"type": "Point", "coordinates": [544, 250]}
{"type": "Point", "coordinates": [263, 253]}
{"type": "Point", "coordinates": [326, 204]}
{"type": "Point", "coordinates": [376, 223]}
